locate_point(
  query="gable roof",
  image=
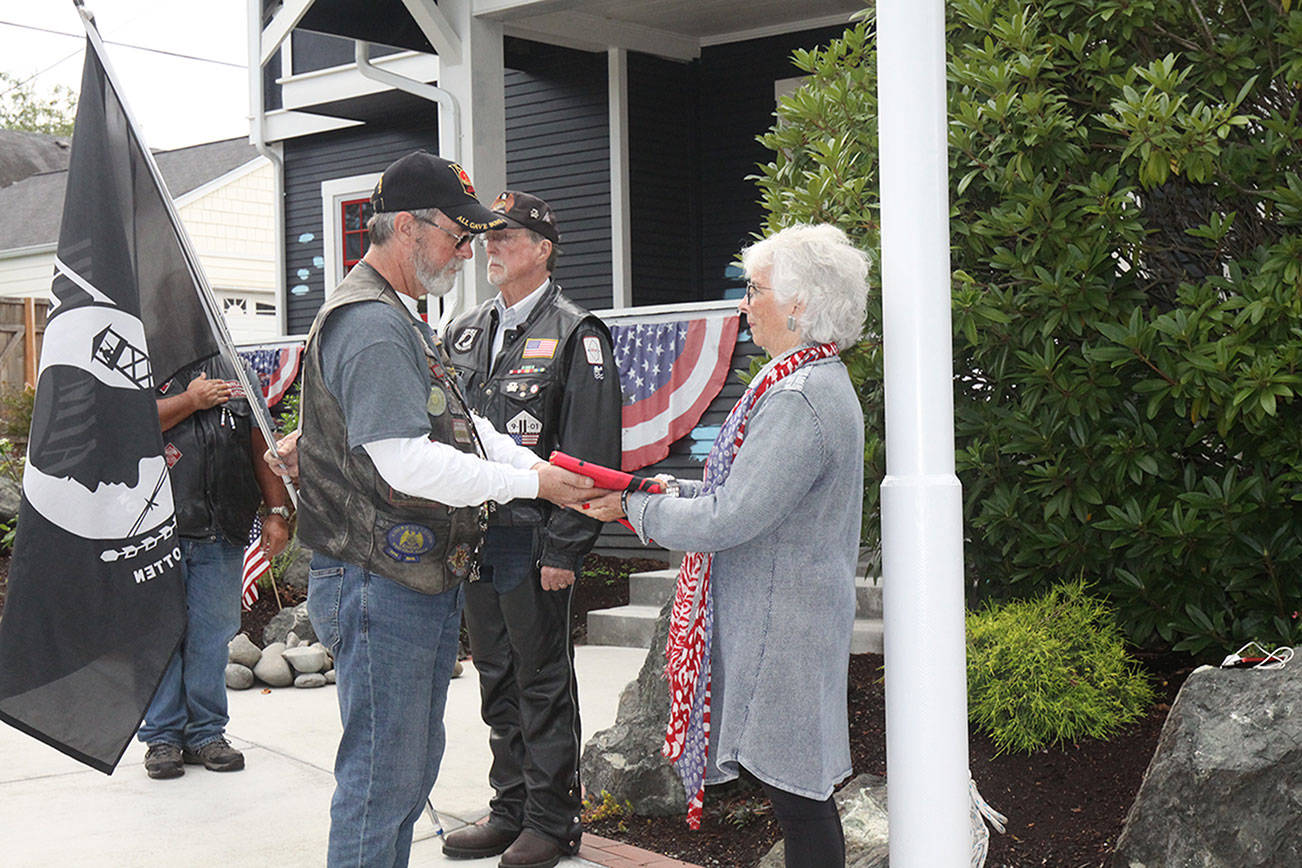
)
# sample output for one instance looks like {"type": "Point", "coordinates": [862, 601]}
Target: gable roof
{"type": "Point", "coordinates": [31, 209]}
{"type": "Point", "coordinates": [23, 154]}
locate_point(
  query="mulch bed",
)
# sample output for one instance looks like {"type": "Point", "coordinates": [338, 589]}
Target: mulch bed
{"type": "Point", "coordinates": [1065, 805]}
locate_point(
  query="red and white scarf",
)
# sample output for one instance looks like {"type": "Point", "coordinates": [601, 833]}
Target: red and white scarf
{"type": "Point", "coordinates": [687, 654]}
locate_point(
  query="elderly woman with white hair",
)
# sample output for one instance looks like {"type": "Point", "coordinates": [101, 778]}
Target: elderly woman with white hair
{"type": "Point", "coordinates": [764, 610]}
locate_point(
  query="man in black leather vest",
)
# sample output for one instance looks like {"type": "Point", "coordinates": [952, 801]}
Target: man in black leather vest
{"type": "Point", "coordinates": [212, 446]}
{"type": "Point", "coordinates": [539, 367]}
{"type": "Point", "coordinates": [393, 471]}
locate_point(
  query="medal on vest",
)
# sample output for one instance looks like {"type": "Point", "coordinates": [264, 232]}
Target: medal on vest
{"type": "Point", "coordinates": [437, 404]}
{"type": "Point", "coordinates": [459, 559]}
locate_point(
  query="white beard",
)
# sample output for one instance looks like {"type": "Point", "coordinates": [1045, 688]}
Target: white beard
{"type": "Point", "coordinates": [434, 282]}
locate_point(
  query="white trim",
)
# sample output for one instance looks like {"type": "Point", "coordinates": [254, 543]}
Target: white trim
{"type": "Point", "coordinates": [235, 174]}
{"type": "Point", "coordinates": [282, 124]}
{"type": "Point", "coordinates": [437, 28]}
{"type": "Point", "coordinates": [670, 312]}
{"type": "Point", "coordinates": [29, 250]}
{"type": "Point", "coordinates": [776, 30]}
{"type": "Point", "coordinates": [507, 9]}
{"type": "Point", "coordinates": [333, 192]}
{"type": "Point", "coordinates": [279, 28]}
{"type": "Point", "coordinates": [621, 231]}
{"type": "Point", "coordinates": [307, 89]}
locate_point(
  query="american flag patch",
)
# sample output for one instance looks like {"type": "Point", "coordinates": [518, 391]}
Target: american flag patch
{"type": "Point", "coordinates": [539, 348]}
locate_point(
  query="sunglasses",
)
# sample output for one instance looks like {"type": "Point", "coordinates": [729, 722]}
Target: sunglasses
{"type": "Point", "coordinates": [462, 239]}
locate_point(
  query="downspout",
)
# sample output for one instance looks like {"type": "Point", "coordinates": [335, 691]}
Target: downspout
{"type": "Point", "coordinates": [448, 108]}
{"type": "Point", "coordinates": [258, 138]}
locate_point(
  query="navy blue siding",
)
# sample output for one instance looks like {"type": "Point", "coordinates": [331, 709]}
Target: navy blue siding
{"type": "Point", "coordinates": [313, 159]}
{"type": "Point", "coordinates": [558, 148]}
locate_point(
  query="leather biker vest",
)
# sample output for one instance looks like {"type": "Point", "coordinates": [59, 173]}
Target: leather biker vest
{"type": "Point", "coordinates": [210, 462]}
{"type": "Point", "coordinates": [346, 509]}
{"type": "Point", "coordinates": [522, 392]}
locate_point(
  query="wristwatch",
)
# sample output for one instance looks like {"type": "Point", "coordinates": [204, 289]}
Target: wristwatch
{"type": "Point", "coordinates": [282, 511]}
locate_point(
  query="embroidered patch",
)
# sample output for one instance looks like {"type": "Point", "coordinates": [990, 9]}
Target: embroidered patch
{"type": "Point", "coordinates": [461, 430]}
{"type": "Point", "coordinates": [524, 428]}
{"type": "Point", "coordinates": [459, 559]}
{"type": "Point", "coordinates": [437, 404]}
{"type": "Point", "coordinates": [466, 339]}
{"type": "Point", "coordinates": [162, 390]}
{"type": "Point", "coordinates": [592, 348]}
{"type": "Point", "coordinates": [598, 372]}
{"type": "Point", "coordinates": [237, 389]}
{"type": "Point", "coordinates": [405, 543]}
{"type": "Point", "coordinates": [171, 454]}
{"type": "Point", "coordinates": [539, 348]}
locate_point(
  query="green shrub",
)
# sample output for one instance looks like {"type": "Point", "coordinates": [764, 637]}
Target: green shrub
{"type": "Point", "coordinates": [1126, 246]}
{"type": "Point", "coordinates": [16, 411]}
{"type": "Point", "coordinates": [1050, 670]}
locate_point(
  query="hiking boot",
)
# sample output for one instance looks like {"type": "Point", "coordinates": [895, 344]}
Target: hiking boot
{"type": "Point", "coordinates": [477, 842]}
{"type": "Point", "coordinates": [531, 850]}
{"type": "Point", "coordinates": [163, 761]}
{"type": "Point", "coordinates": [215, 756]}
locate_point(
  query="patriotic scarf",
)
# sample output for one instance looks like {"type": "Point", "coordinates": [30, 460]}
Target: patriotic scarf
{"type": "Point", "coordinates": [691, 628]}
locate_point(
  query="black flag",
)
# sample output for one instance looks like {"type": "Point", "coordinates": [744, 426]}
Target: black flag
{"type": "Point", "coordinates": [95, 606]}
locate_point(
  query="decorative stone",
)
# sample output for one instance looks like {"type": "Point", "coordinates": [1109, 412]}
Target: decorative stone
{"type": "Point", "coordinates": [862, 806]}
{"type": "Point", "coordinates": [241, 650]}
{"type": "Point", "coordinates": [625, 760]}
{"type": "Point", "coordinates": [330, 676]}
{"type": "Point", "coordinates": [457, 669]}
{"type": "Point", "coordinates": [1221, 789]}
{"type": "Point", "coordinates": [11, 494]}
{"type": "Point", "coordinates": [289, 620]}
{"type": "Point", "coordinates": [238, 676]}
{"type": "Point", "coordinates": [273, 669]}
{"type": "Point", "coordinates": [292, 640]}
{"type": "Point", "coordinates": [324, 650]}
{"type": "Point", "coordinates": [305, 659]}
{"type": "Point", "coordinates": [295, 575]}
{"type": "Point", "coordinates": [310, 679]}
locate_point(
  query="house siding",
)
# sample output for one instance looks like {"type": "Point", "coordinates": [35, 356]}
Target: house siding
{"type": "Point", "coordinates": [558, 148]}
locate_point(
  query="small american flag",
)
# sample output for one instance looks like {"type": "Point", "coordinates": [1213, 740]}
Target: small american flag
{"type": "Point", "coordinates": [276, 368]}
{"type": "Point", "coordinates": [255, 565]}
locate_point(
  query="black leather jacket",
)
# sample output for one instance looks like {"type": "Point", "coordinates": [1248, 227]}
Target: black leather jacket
{"type": "Point", "coordinates": [554, 386]}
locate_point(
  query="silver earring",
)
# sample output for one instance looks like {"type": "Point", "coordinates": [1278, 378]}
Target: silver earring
{"type": "Point", "coordinates": [791, 323]}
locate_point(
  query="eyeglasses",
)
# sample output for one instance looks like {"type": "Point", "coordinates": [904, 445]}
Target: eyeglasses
{"type": "Point", "coordinates": [462, 239]}
{"type": "Point", "coordinates": [753, 289]}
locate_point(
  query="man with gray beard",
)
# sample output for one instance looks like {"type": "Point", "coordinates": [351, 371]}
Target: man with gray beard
{"type": "Point", "coordinates": [395, 475]}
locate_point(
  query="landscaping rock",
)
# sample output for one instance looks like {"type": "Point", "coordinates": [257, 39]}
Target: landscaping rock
{"type": "Point", "coordinates": [330, 676]}
{"type": "Point", "coordinates": [306, 659]}
{"type": "Point", "coordinates": [310, 679]}
{"type": "Point", "coordinates": [292, 640]}
{"type": "Point", "coordinates": [241, 650]}
{"type": "Point", "coordinates": [273, 669]}
{"type": "Point", "coordinates": [625, 760]}
{"type": "Point", "coordinates": [238, 676]}
{"type": "Point", "coordinates": [1221, 790]}
{"type": "Point", "coordinates": [11, 494]}
{"type": "Point", "coordinates": [295, 575]}
{"type": "Point", "coordinates": [862, 806]}
{"type": "Point", "coordinates": [293, 619]}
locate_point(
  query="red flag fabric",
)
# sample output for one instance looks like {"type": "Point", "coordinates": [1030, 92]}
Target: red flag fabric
{"type": "Point", "coordinates": [255, 565]}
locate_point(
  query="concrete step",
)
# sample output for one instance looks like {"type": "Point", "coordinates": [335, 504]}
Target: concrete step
{"type": "Point", "coordinates": [867, 597]}
{"type": "Point", "coordinates": [867, 636]}
{"type": "Point", "coordinates": [651, 588]}
{"type": "Point", "coordinates": [630, 626]}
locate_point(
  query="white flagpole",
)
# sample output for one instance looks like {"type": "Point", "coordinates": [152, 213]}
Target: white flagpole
{"type": "Point", "coordinates": [206, 297]}
{"type": "Point", "coordinates": [922, 503]}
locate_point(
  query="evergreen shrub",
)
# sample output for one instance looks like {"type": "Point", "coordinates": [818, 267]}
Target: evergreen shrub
{"type": "Point", "coordinates": [1050, 670]}
{"type": "Point", "coordinates": [1126, 254]}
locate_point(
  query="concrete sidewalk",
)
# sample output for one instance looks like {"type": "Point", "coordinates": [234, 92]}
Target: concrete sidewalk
{"type": "Point", "coordinates": [56, 812]}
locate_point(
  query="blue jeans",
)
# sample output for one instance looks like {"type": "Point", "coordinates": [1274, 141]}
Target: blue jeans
{"type": "Point", "coordinates": [189, 707]}
{"type": "Point", "coordinates": [394, 652]}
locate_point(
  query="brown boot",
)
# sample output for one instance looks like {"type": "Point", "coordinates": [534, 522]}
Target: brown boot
{"type": "Point", "coordinates": [531, 850]}
{"type": "Point", "coordinates": [477, 842]}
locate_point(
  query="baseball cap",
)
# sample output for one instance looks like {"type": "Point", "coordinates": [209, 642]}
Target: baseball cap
{"type": "Point", "coordinates": [422, 180]}
{"type": "Point", "coordinates": [530, 212]}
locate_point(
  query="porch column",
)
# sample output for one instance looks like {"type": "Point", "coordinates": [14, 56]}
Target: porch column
{"type": "Point", "coordinates": [478, 82]}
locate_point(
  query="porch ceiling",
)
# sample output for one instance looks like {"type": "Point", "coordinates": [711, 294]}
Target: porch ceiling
{"type": "Point", "coordinates": [670, 28]}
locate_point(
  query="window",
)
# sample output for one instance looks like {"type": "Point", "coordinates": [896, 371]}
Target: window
{"type": "Point", "coordinates": [345, 208]}
{"type": "Point", "coordinates": [354, 241]}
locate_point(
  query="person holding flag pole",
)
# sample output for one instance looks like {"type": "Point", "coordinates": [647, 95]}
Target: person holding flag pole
{"type": "Point", "coordinates": [96, 606]}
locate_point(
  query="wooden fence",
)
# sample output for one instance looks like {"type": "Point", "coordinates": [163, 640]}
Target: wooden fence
{"type": "Point", "coordinates": [22, 325]}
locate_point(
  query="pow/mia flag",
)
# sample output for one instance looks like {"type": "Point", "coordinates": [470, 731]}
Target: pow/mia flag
{"type": "Point", "coordinates": [95, 605]}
